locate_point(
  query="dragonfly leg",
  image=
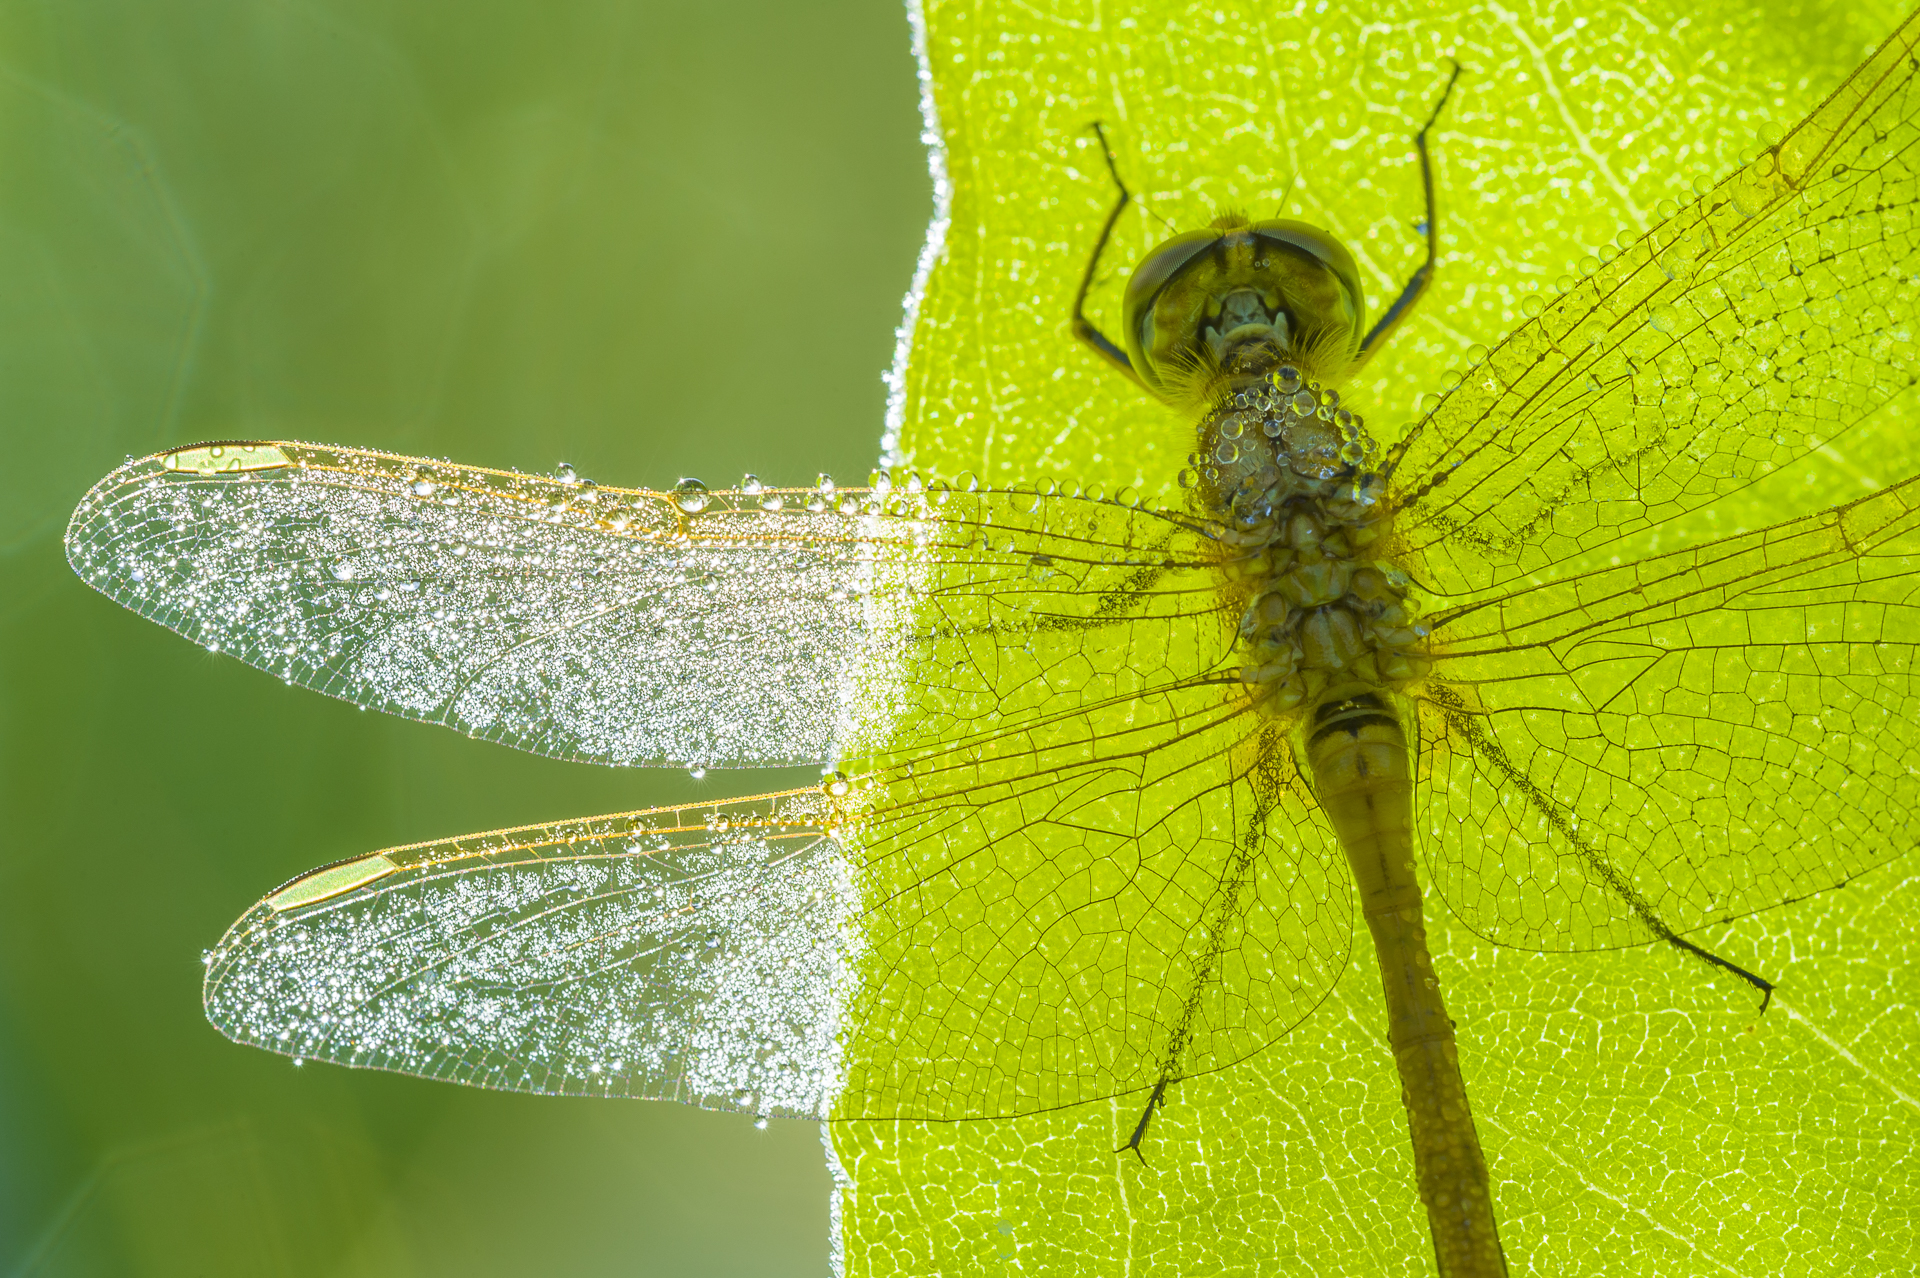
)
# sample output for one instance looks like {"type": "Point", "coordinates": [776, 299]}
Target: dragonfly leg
{"type": "Point", "coordinates": [1083, 327]}
{"type": "Point", "coordinates": [1140, 1132]}
{"type": "Point", "coordinates": [1423, 277]}
{"type": "Point", "coordinates": [1760, 983]}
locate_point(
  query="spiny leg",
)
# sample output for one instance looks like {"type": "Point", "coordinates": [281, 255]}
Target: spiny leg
{"type": "Point", "coordinates": [1758, 982]}
{"type": "Point", "coordinates": [1140, 1132]}
{"type": "Point", "coordinates": [1423, 277]}
{"type": "Point", "coordinates": [1083, 327]}
{"type": "Point", "coordinates": [1601, 870]}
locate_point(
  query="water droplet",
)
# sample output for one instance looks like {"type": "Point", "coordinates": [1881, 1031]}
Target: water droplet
{"type": "Point", "coordinates": [825, 484]}
{"type": "Point", "coordinates": [837, 785]}
{"type": "Point", "coordinates": [697, 772]}
{"type": "Point", "coordinates": [752, 486]}
{"type": "Point", "coordinates": [566, 474]}
{"type": "Point", "coordinates": [773, 501]}
{"type": "Point", "coordinates": [423, 488]}
{"type": "Point", "coordinates": [691, 496]}
{"type": "Point", "coordinates": [760, 1121]}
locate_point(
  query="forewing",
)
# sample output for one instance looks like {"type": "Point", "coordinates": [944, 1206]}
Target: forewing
{"type": "Point", "coordinates": [1645, 749]}
{"type": "Point", "coordinates": [609, 625]}
{"type": "Point", "coordinates": [1747, 330]}
{"type": "Point", "coordinates": [697, 955]}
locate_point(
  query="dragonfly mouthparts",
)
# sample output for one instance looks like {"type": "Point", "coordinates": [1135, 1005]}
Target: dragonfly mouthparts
{"type": "Point", "coordinates": [1244, 320]}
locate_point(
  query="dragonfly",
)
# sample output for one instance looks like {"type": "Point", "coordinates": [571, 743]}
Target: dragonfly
{"type": "Point", "coordinates": [1095, 771]}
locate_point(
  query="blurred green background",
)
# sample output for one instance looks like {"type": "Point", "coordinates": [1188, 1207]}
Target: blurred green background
{"type": "Point", "coordinates": [650, 239]}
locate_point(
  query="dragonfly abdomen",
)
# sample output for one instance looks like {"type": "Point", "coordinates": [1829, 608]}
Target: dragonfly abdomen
{"type": "Point", "coordinates": [1360, 761]}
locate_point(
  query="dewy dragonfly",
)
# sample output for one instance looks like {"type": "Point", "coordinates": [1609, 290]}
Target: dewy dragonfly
{"type": "Point", "coordinates": [1107, 779]}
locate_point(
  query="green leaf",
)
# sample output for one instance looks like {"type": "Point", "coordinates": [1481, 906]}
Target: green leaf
{"type": "Point", "coordinates": [1639, 1114]}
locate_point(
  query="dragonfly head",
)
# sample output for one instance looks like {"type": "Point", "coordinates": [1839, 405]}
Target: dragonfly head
{"type": "Point", "coordinates": [1238, 298]}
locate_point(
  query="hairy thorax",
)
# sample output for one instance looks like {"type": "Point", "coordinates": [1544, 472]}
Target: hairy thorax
{"type": "Point", "coordinates": [1291, 476]}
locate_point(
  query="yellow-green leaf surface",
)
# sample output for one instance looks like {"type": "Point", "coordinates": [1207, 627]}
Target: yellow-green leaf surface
{"type": "Point", "coordinates": [1640, 1115]}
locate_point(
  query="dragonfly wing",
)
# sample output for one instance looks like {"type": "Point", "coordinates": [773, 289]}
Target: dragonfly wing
{"type": "Point", "coordinates": [1682, 740]}
{"type": "Point", "coordinates": [1047, 941]}
{"type": "Point", "coordinates": [1744, 332]}
{"type": "Point", "coordinates": [573, 621]}
{"type": "Point", "coordinates": [1087, 868]}
{"type": "Point", "coordinates": [696, 955]}
{"type": "Point", "coordinates": [1068, 865]}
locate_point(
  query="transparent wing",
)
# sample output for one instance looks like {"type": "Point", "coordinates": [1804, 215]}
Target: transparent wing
{"type": "Point", "coordinates": [1086, 867]}
{"type": "Point", "coordinates": [1078, 867]}
{"type": "Point", "coordinates": [1744, 332]}
{"type": "Point", "coordinates": [609, 625]}
{"type": "Point", "coordinates": [1642, 750]}
{"type": "Point", "coordinates": [1121, 880]}
{"type": "Point", "coordinates": [695, 955]}
{"type": "Point", "coordinates": [1053, 942]}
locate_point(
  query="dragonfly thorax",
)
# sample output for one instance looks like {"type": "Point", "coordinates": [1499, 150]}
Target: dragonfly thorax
{"type": "Point", "coordinates": [1292, 478]}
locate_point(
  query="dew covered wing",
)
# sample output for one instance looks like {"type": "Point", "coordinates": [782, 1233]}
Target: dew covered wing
{"type": "Point", "coordinates": [606, 958]}
{"type": "Point", "coordinates": [571, 621]}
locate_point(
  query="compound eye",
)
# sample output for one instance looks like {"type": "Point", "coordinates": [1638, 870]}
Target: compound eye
{"type": "Point", "coordinates": [1160, 266]}
{"type": "Point", "coordinates": [1301, 237]}
{"type": "Point", "coordinates": [1150, 279]}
